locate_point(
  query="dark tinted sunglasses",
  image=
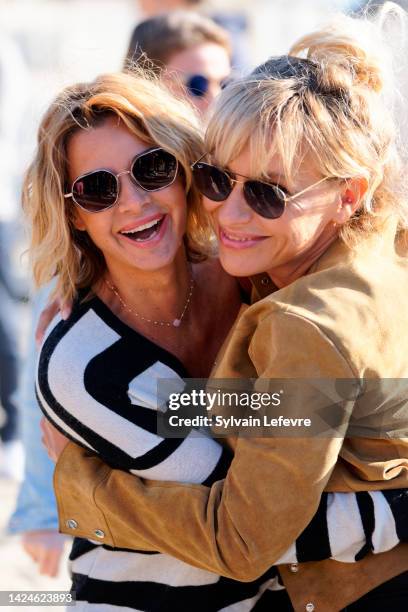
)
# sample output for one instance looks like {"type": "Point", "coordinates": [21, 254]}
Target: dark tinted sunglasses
{"type": "Point", "coordinates": [266, 199]}
{"type": "Point", "coordinates": [198, 84]}
{"type": "Point", "coordinates": [98, 190]}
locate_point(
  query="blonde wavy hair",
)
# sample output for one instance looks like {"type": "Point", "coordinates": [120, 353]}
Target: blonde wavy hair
{"type": "Point", "coordinates": [154, 116]}
{"type": "Point", "coordinates": [329, 97]}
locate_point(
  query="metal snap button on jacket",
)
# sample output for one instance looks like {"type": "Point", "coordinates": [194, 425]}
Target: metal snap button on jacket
{"type": "Point", "coordinates": [310, 607]}
{"type": "Point", "coordinates": [71, 524]}
{"type": "Point", "coordinates": [99, 533]}
{"type": "Point", "coordinates": [294, 568]}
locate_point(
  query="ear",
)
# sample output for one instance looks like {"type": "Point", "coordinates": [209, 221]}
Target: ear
{"type": "Point", "coordinates": [77, 220]}
{"type": "Point", "coordinates": [350, 199]}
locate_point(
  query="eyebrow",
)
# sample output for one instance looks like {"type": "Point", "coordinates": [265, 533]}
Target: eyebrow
{"type": "Point", "coordinates": [274, 180]}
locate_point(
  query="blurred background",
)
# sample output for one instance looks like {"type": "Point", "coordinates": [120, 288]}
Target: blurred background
{"type": "Point", "coordinates": [44, 45]}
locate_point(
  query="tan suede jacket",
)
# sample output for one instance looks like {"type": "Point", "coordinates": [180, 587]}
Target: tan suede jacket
{"type": "Point", "coordinates": [347, 318]}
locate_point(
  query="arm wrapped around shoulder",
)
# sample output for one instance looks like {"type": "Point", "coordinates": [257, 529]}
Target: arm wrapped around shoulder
{"type": "Point", "coordinates": [238, 527]}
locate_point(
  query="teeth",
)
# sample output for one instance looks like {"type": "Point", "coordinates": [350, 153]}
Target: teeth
{"type": "Point", "coordinates": [141, 227]}
{"type": "Point", "coordinates": [237, 239]}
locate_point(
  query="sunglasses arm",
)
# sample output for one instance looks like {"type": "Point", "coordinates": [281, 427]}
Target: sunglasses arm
{"type": "Point", "coordinates": [296, 195]}
{"type": "Point", "coordinates": [198, 160]}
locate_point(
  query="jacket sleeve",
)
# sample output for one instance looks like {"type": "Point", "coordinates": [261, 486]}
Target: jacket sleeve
{"type": "Point", "coordinates": [240, 526]}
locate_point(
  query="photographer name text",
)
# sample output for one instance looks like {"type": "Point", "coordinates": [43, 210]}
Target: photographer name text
{"type": "Point", "coordinates": [234, 422]}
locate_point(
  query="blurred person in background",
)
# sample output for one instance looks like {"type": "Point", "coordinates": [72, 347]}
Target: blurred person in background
{"type": "Point", "coordinates": [234, 21]}
{"type": "Point", "coordinates": [13, 289]}
{"type": "Point", "coordinates": [151, 8]}
{"type": "Point", "coordinates": [11, 450]}
{"type": "Point", "coordinates": [191, 52]}
{"type": "Point", "coordinates": [35, 515]}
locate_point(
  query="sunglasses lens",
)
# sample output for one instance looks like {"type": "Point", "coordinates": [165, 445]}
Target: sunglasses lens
{"type": "Point", "coordinates": [96, 191]}
{"type": "Point", "coordinates": [155, 170]}
{"type": "Point", "coordinates": [212, 182]}
{"type": "Point", "coordinates": [266, 200]}
{"type": "Point", "coordinates": [197, 85]}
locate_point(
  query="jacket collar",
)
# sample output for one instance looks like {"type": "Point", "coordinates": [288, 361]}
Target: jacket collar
{"type": "Point", "coordinates": [382, 243]}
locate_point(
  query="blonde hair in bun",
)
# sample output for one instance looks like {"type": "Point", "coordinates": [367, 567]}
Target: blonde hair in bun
{"type": "Point", "coordinates": [350, 51]}
{"type": "Point", "coordinates": [330, 97]}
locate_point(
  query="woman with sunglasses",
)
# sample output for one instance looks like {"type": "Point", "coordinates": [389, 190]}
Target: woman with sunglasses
{"type": "Point", "coordinates": [116, 220]}
{"type": "Point", "coordinates": [303, 184]}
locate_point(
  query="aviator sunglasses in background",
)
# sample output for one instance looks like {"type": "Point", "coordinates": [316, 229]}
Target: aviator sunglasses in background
{"type": "Point", "coordinates": [266, 199]}
{"type": "Point", "coordinates": [98, 190]}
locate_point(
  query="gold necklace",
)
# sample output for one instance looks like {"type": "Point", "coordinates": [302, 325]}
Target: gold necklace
{"type": "Point", "coordinates": [175, 323]}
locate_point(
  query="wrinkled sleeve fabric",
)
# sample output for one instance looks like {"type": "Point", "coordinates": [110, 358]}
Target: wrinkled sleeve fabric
{"type": "Point", "coordinates": [240, 526]}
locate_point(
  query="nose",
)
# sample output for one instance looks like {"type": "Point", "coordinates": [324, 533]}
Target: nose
{"type": "Point", "coordinates": [210, 96]}
{"type": "Point", "coordinates": [131, 196]}
{"type": "Point", "coordinates": [214, 90]}
{"type": "Point", "coordinates": [234, 210]}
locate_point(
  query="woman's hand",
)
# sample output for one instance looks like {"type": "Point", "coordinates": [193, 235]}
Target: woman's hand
{"type": "Point", "coordinates": [53, 440]}
{"type": "Point", "coordinates": [45, 547]}
{"type": "Point", "coordinates": [47, 316]}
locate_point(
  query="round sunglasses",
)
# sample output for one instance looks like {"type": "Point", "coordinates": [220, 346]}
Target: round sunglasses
{"type": "Point", "coordinates": [198, 84]}
{"type": "Point", "coordinates": [98, 190]}
{"type": "Point", "coordinates": [266, 199]}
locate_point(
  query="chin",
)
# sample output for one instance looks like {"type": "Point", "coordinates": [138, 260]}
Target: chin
{"type": "Point", "coordinates": [153, 259]}
{"type": "Point", "coordinates": [154, 263]}
{"type": "Point", "coordinates": [238, 266]}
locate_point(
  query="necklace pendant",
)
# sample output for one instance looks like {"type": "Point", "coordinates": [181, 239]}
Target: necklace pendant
{"type": "Point", "coordinates": [175, 323]}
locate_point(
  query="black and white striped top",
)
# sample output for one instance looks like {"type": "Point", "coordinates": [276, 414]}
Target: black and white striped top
{"type": "Point", "coordinates": [97, 383]}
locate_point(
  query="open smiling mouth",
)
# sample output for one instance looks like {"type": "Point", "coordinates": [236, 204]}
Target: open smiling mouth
{"type": "Point", "coordinates": [145, 232]}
